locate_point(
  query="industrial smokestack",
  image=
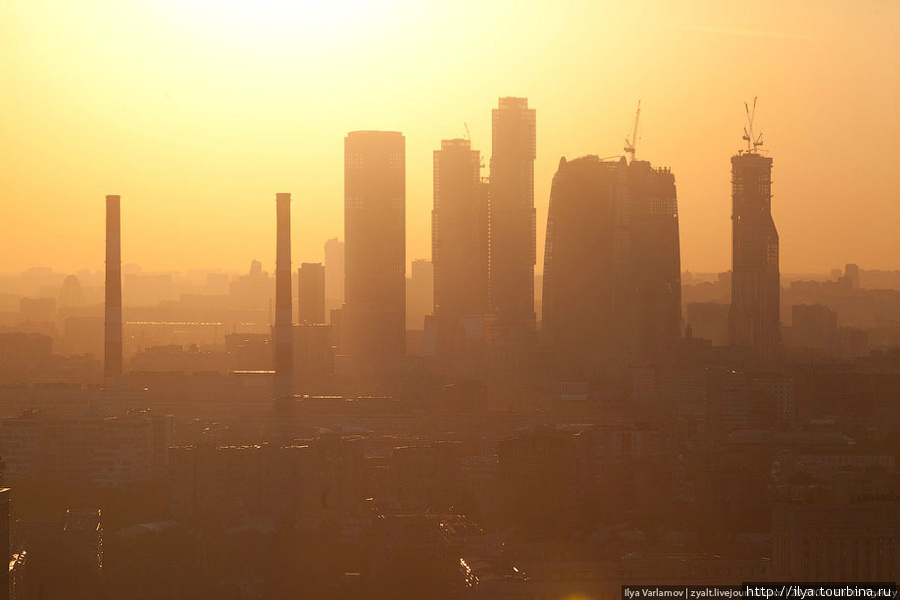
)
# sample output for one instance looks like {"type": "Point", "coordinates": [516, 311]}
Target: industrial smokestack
{"type": "Point", "coordinates": [112, 349]}
{"type": "Point", "coordinates": [284, 350]}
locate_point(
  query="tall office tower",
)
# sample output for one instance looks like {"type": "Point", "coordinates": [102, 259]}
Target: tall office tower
{"type": "Point", "coordinates": [459, 238]}
{"type": "Point", "coordinates": [334, 275]}
{"type": "Point", "coordinates": [112, 348]}
{"type": "Point", "coordinates": [282, 336]}
{"type": "Point", "coordinates": [585, 291]}
{"type": "Point", "coordinates": [755, 284]}
{"type": "Point", "coordinates": [512, 217]}
{"type": "Point", "coordinates": [655, 262]}
{"type": "Point", "coordinates": [311, 293]}
{"type": "Point", "coordinates": [374, 315]}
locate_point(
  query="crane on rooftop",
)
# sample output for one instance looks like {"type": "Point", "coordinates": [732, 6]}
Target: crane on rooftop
{"type": "Point", "coordinates": [468, 138]}
{"type": "Point", "coordinates": [753, 141]}
{"type": "Point", "coordinates": [631, 146]}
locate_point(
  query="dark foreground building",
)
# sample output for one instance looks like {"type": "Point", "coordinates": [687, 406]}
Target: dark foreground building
{"type": "Point", "coordinates": [583, 264]}
{"type": "Point", "coordinates": [612, 283]}
{"type": "Point", "coordinates": [655, 261]}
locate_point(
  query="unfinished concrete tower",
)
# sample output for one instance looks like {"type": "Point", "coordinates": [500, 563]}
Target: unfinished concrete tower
{"type": "Point", "coordinates": [754, 320]}
{"type": "Point", "coordinates": [112, 348]}
{"type": "Point", "coordinates": [284, 351]}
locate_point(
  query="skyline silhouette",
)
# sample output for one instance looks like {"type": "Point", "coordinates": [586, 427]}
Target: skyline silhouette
{"type": "Point", "coordinates": [538, 311]}
{"type": "Point", "coordinates": [481, 171]}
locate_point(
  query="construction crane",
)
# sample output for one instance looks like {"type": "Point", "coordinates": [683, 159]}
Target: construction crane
{"type": "Point", "coordinates": [753, 141]}
{"type": "Point", "coordinates": [631, 146]}
{"type": "Point", "coordinates": [468, 138]}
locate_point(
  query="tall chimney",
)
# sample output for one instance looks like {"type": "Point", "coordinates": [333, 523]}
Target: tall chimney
{"type": "Point", "coordinates": [284, 349]}
{"type": "Point", "coordinates": [112, 348]}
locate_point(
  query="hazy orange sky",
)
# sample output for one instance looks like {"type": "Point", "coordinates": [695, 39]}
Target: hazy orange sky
{"type": "Point", "coordinates": [198, 112]}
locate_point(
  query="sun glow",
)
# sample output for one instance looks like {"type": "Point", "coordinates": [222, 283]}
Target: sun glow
{"type": "Point", "coordinates": [279, 21]}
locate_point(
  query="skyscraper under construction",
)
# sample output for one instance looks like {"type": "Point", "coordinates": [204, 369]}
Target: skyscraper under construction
{"type": "Point", "coordinates": [755, 283]}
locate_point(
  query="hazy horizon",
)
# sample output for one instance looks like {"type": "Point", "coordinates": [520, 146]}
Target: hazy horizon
{"type": "Point", "coordinates": [134, 268]}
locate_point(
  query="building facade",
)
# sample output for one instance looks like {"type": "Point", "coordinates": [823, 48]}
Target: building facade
{"type": "Point", "coordinates": [311, 293]}
{"type": "Point", "coordinates": [334, 275]}
{"type": "Point", "coordinates": [584, 263]}
{"type": "Point", "coordinates": [853, 541]}
{"type": "Point", "coordinates": [374, 315]}
{"type": "Point", "coordinates": [655, 261]}
{"type": "Point", "coordinates": [459, 238]}
{"type": "Point", "coordinates": [104, 451]}
{"type": "Point", "coordinates": [512, 217]}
